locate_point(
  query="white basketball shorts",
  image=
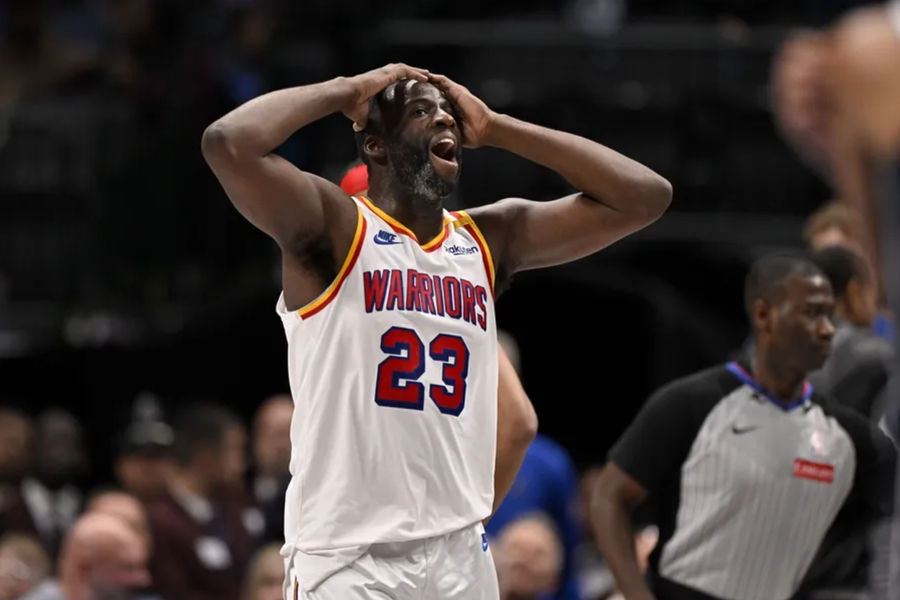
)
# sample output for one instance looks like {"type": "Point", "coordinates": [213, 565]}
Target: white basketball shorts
{"type": "Point", "coordinates": [455, 566]}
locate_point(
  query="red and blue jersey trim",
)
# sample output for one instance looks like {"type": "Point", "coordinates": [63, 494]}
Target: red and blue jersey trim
{"type": "Point", "coordinates": [747, 379]}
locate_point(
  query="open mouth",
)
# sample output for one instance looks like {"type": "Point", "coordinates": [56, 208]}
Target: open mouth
{"type": "Point", "coordinates": [444, 149]}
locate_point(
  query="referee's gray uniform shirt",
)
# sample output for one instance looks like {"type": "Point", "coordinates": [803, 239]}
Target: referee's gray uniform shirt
{"type": "Point", "coordinates": [745, 488]}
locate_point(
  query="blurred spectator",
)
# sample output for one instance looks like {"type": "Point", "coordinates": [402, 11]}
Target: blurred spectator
{"type": "Point", "coordinates": [271, 461]}
{"type": "Point", "coordinates": [16, 439]}
{"type": "Point", "coordinates": [23, 565]}
{"type": "Point", "coordinates": [144, 459]}
{"type": "Point", "coordinates": [546, 483]}
{"type": "Point", "coordinates": [144, 462]}
{"type": "Point", "coordinates": [51, 494]}
{"type": "Point", "coordinates": [856, 373]}
{"type": "Point", "coordinates": [529, 558]}
{"type": "Point", "coordinates": [265, 576]}
{"type": "Point", "coordinates": [200, 539]}
{"type": "Point", "coordinates": [837, 224]}
{"type": "Point", "coordinates": [16, 450]}
{"type": "Point", "coordinates": [244, 66]}
{"type": "Point", "coordinates": [272, 446]}
{"type": "Point", "coordinates": [124, 506]}
{"type": "Point", "coordinates": [102, 557]}
{"type": "Point", "coordinates": [834, 224]}
{"type": "Point", "coordinates": [34, 61]}
{"type": "Point", "coordinates": [836, 97]}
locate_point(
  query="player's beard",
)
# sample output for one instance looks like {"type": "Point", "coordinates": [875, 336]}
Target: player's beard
{"type": "Point", "coordinates": [416, 175]}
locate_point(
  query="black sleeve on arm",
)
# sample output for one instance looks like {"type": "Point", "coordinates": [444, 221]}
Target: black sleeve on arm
{"type": "Point", "coordinates": [860, 387]}
{"type": "Point", "coordinates": [658, 441]}
{"type": "Point", "coordinates": [876, 462]}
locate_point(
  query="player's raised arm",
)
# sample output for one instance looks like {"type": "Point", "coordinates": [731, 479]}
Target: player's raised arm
{"type": "Point", "coordinates": [288, 204]}
{"type": "Point", "coordinates": [618, 195]}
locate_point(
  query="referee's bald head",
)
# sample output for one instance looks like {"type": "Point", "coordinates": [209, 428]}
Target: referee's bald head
{"type": "Point", "coordinates": [768, 277]}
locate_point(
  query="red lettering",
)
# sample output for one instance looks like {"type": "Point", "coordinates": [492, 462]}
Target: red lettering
{"type": "Point", "coordinates": [438, 294]}
{"type": "Point", "coordinates": [412, 290]}
{"type": "Point", "coordinates": [374, 284]}
{"type": "Point", "coordinates": [452, 297]}
{"type": "Point", "coordinates": [395, 293]}
{"type": "Point", "coordinates": [426, 294]}
{"type": "Point", "coordinates": [468, 291]}
{"type": "Point", "coordinates": [481, 299]}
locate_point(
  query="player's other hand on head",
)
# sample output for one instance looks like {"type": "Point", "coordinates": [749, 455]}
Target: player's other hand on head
{"type": "Point", "coordinates": [475, 115]}
{"type": "Point", "coordinates": [366, 85]}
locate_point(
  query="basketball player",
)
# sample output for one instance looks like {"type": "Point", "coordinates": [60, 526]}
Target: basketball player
{"type": "Point", "coordinates": [388, 308]}
{"type": "Point", "coordinates": [516, 418]}
{"type": "Point", "coordinates": [747, 467]}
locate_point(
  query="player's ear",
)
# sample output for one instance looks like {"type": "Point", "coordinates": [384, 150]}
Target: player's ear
{"type": "Point", "coordinates": [374, 149]}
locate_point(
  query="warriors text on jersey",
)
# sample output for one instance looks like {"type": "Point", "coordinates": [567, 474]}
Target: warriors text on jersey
{"type": "Point", "coordinates": [393, 370]}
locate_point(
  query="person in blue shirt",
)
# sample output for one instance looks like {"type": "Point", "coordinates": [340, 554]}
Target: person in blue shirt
{"type": "Point", "coordinates": [547, 483]}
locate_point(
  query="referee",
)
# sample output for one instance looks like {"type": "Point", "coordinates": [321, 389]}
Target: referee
{"type": "Point", "coordinates": [744, 465]}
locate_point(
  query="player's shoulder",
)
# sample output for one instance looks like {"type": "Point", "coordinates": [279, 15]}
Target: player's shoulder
{"type": "Point", "coordinates": [498, 208]}
{"type": "Point", "coordinates": [494, 218]}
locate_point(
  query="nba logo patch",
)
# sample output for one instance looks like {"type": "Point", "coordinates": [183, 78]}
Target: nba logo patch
{"type": "Point", "coordinates": [484, 544]}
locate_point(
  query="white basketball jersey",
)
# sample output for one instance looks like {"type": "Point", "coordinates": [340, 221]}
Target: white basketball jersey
{"type": "Point", "coordinates": [393, 370]}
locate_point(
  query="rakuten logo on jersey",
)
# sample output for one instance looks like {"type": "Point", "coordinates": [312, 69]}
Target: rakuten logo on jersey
{"type": "Point", "coordinates": [806, 469]}
{"type": "Point", "coordinates": [456, 250]}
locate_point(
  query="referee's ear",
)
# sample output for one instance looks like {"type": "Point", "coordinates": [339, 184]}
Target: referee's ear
{"type": "Point", "coordinates": [761, 315]}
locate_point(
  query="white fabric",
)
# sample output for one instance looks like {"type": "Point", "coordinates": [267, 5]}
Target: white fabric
{"type": "Point", "coordinates": [364, 472]}
{"type": "Point", "coordinates": [456, 566]}
{"type": "Point", "coordinates": [53, 512]}
{"type": "Point", "coordinates": [198, 508]}
{"type": "Point", "coordinates": [893, 11]}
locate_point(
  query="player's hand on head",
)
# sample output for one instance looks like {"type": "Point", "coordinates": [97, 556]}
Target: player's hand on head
{"type": "Point", "coordinates": [366, 85]}
{"type": "Point", "coordinates": [475, 115]}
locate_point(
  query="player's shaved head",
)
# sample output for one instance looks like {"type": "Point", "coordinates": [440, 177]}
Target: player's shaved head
{"type": "Point", "coordinates": [386, 112]}
{"type": "Point", "coordinates": [768, 277]}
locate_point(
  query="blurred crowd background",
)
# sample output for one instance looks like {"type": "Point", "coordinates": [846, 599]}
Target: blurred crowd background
{"type": "Point", "coordinates": [142, 366]}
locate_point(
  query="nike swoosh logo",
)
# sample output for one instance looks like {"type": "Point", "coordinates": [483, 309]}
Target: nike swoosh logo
{"type": "Point", "coordinates": [741, 430]}
{"type": "Point", "coordinates": [386, 242]}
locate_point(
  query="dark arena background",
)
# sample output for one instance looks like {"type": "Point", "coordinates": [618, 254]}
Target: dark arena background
{"type": "Point", "coordinates": [126, 273]}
